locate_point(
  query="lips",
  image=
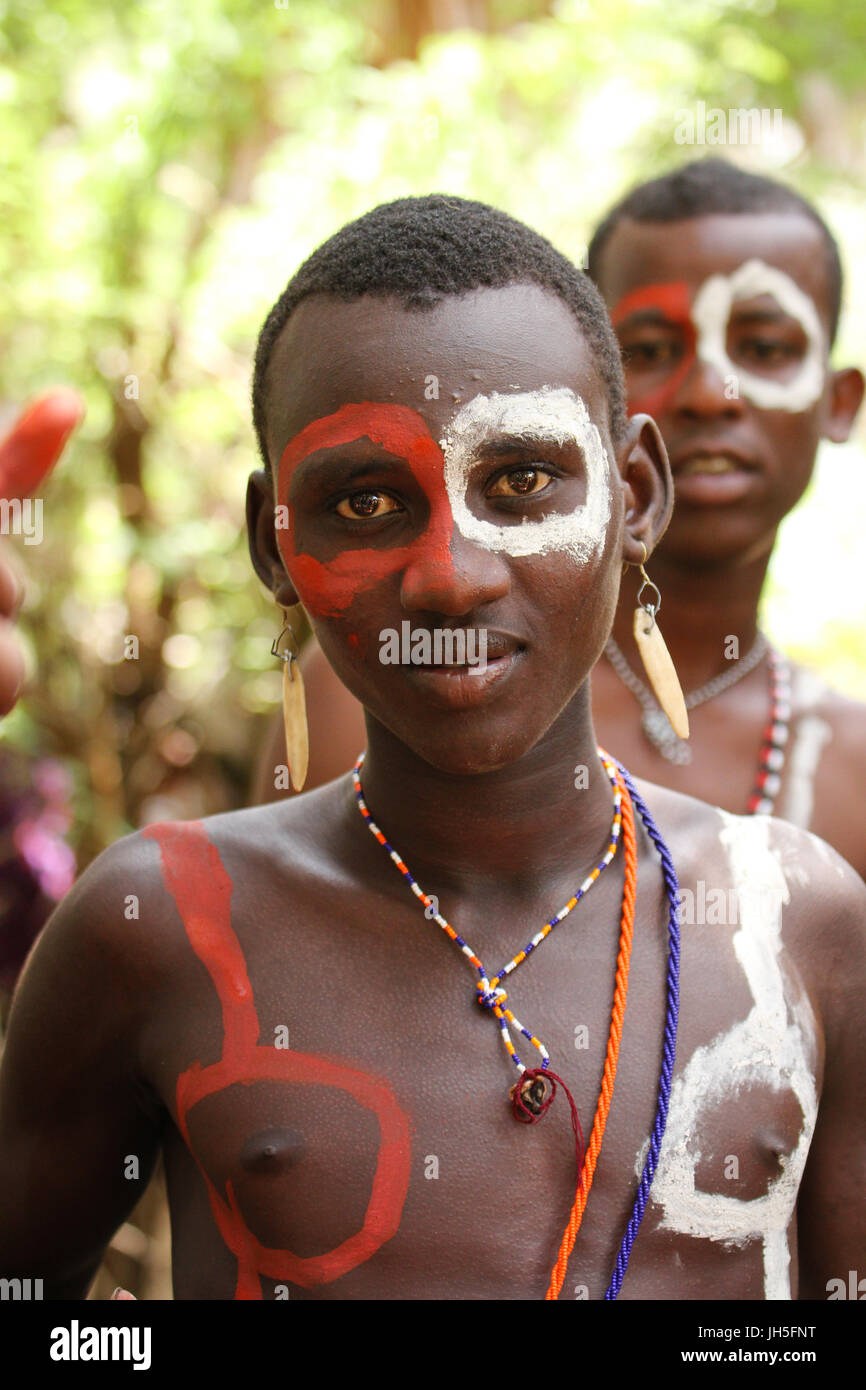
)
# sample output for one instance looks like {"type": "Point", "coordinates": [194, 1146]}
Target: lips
{"type": "Point", "coordinates": [707, 458]}
{"type": "Point", "coordinates": [707, 475]}
{"type": "Point", "coordinates": [709, 465]}
{"type": "Point", "coordinates": [494, 646]}
{"type": "Point", "coordinates": [462, 687]}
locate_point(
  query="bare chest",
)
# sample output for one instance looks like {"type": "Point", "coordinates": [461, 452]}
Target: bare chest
{"type": "Point", "coordinates": [347, 1133]}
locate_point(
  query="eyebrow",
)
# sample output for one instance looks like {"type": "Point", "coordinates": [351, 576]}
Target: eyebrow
{"type": "Point", "coordinates": [649, 315]}
{"type": "Point", "coordinates": [330, 465]}
{"type": "Point", "coordinates": [762, 315]}
{"type": "Point", "coordinates": [395, 429]}
{"type": "Point", "coordinates": [510, 441]}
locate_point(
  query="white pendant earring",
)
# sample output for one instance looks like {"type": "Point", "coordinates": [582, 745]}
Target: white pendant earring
{"type": "Point", "coordinates": [655, 656]}
{"type": "Point", "coordinates": [294, 709]}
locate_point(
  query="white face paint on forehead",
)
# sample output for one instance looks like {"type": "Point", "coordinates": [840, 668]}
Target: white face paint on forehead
{"type": "Point", "coordinates": [711, 311]}
{"type": "Point", "coordinates": [555, 414]}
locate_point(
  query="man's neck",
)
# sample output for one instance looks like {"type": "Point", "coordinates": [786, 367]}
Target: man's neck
{"type": "Point", "coordinates": [514, 829]}
{"type": "Point", "coordinates": [703, 607]}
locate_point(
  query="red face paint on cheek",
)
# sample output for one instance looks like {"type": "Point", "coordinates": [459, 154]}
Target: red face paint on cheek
{"type": "Point", "coordinates": [327, 588]}
{"type": "Point", "coordinates": [672, 301]}
{"type": "Point", "coordinates": [196, 878]}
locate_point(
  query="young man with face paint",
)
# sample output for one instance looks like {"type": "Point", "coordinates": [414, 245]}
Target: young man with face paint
{"type": "Point", "coordinates": [284, 1018]}
{"type": "Point", "coordinates": [724, 288]}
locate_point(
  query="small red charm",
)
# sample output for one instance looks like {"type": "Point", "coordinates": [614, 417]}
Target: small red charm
{"type": "Point", "coordinates": [532, 1097]}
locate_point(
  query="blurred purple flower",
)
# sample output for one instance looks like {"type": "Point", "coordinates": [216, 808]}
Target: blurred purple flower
{"type": "Point", "coordinates": [49, 858]}
{"type": "Point", "coordinates": [52, 781]}
{"type": "Point", "coordinates": [37, 866]}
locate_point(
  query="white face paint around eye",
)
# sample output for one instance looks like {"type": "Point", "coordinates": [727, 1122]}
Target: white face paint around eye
{"type": "Point", "coordinates": [552, 413]}
{"type": "Point", "coordinates": [710, 313]}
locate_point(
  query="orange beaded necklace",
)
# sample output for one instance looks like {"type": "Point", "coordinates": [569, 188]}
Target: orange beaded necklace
{"type": "Point", "coordinates": [626, 934]}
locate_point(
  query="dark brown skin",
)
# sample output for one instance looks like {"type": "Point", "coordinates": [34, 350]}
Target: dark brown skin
{"type": "Point", "coordinates": [111, 1011]}
{"type": "Point", "coordinates": [711, 563]}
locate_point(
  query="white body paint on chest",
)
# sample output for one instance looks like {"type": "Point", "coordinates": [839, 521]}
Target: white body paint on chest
{"type": "Point", "coordinates": [711, 311]}
{"type": "Point", "coordinates": [554, 414]}
{"type": "Point", "coordinates": [772, 1047]}
{"type": "Point", "coordinates": [811, 734]}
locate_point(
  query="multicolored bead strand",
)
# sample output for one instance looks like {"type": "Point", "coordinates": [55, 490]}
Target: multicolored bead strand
{"type": "Point", "coordinates": [492, 996]}
{"type": "Point", "coordinates": [772, 758]}
{"type": "Point", "coordinates": [488, 989]}
{"type": "Point", "coordinates": [617, 1017]}
{"type": "Point", "coordinates": [557, 1277]}
{"type": "Point", "coordinates": [672, 888]}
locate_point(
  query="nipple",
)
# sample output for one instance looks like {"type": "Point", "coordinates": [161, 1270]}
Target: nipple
{"type": "Point", "coordinates": [272, 1150]}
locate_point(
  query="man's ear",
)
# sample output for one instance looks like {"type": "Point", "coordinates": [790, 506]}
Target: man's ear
{"type": "Point", "coordinates": [262, 536]}
{"type": "Point", "coordinates": [648, 486]}
{"type": "Point", "coordinates": [846, 397]}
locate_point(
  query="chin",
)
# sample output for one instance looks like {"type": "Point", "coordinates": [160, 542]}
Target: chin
{"type": "Point", "coordinates": [714, 538]}
{"type": "Point", "coordinates": [467, 748]}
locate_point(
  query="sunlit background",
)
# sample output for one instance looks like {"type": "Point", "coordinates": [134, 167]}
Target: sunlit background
{"type": "Point", "coordinates": [168, 167]}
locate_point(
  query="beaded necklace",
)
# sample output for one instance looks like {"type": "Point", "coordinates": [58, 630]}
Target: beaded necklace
{"type": "Point", "coordinates": [771, 759]}
{"type": "Point", "coordinates": [654, 721]}
{"type": "Point", "coordinates": [672, 890]}
{"type": "Point", "coordinates": [491, 996]}
{"type": "Point", "coordinates": [534, 1093]}
{"type": "Point", "coordinates": [669, 1050]}
{"type": "Point", "coordinates": [762, 802]}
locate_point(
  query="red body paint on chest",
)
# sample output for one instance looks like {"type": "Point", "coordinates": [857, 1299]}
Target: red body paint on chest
{"type": "Point", "coordinates": [196, 878]}
{"type": "Point", "coordinates": [673, 301]}
{"type": "Point", "coordinates": [327, 588]}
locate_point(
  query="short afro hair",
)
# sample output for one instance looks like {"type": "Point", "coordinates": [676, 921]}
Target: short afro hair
{"type": "Point", "coordinates": [423, 249]}
{"type": "Point", "coordinates": [708, 186]}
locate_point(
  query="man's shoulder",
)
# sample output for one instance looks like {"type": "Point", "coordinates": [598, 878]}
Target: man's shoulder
{"type": "Point", "coordinates": [113, 913]}
{"type": "Point", "coordinates": [813, 698]}
{"type": "Point", "coordinates": [812, 877]}
{"type": "Point", "coordinates": [293, 833]}
{"type": "Point", "coordinates": [821, 899]}
{"type": "Point", "coordinates": [826, 765]}
{"type": "Point", "coordinates": [753, 847]}
{"type": "Point", "coordinates": [120, 899]}
{"type": "Point", "coordinates": [787, 890]}
{"type": "Point", "coordinates": [811, 866]}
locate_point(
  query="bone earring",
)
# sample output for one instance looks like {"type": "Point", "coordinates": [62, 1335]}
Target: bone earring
{"type": "Point", "coordinates": [655, 656]}
{"type": "Point", "coordinates": [294, 709]}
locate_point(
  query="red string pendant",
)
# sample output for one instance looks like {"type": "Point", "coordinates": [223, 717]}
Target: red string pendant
{"type": "Point", "coordinates": [532, 1097]}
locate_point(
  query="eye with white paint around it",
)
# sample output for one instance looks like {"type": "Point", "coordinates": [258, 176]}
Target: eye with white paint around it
{"type": "Point", "coordinates": [768, 351]}
{"type": "Point", "coordinates": [525, 481]}
{"type": "Point", "coordinates": [553, 416]}
{"type": "Point", "coordinates": [792, 384]}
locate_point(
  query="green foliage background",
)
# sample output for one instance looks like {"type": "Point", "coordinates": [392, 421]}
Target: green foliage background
{"type": "Point", "coordinates": [168, 167]}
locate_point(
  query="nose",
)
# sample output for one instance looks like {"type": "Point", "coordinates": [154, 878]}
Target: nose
{"type": "Point", "coordinates": [705, 392]}
{"type": "Point", "coordinates": [463, 578]}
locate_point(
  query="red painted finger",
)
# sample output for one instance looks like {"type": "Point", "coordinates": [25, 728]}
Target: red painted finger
{"type": "Point", "coordinates": [35, 442]}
